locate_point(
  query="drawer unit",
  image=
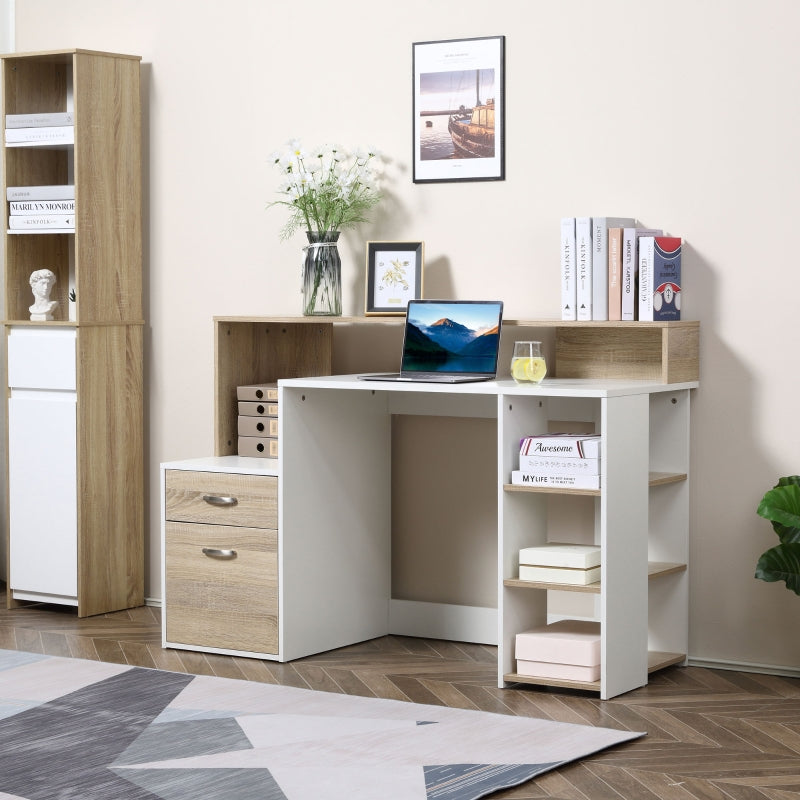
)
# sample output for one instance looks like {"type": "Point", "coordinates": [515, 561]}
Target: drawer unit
{"type": "Point", "coordinates": [220, 548]}
{"type": "Point", "coordinates": [222, 587]}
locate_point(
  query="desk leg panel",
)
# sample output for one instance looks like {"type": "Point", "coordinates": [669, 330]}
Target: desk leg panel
{"type": "Point", "coordinates": [334, 518]}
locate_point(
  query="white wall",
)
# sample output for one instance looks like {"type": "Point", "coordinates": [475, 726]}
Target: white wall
{"type": "Point", "coordinates": [682, 113]}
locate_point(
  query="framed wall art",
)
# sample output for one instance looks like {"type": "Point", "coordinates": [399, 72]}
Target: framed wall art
{"type": "Point", "coordinates": [394, 276]}
{"type": "Point", "coordinates": [459, 110]}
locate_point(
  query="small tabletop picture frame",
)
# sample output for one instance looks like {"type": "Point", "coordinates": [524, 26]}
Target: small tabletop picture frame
{"type": "Point", "coordinates": [394, 276]}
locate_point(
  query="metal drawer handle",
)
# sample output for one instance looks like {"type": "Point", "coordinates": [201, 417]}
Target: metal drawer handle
{"type": "Point", "coordinates": [218, 500]}
{"type": "Point", "coordinates": [213, 552]}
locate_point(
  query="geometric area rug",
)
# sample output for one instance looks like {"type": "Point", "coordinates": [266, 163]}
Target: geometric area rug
{"type": "Point", "coordinates": [85, 729]}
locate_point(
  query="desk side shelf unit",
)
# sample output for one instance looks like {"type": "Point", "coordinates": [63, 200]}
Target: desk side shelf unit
{"type": "Point", "coordinates": [631, 381]}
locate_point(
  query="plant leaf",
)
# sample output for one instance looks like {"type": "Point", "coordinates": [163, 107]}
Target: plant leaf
{"type": "Point", "coordinates": [781, 563]}
{"type": "Point", "coordinates": [781, 505]}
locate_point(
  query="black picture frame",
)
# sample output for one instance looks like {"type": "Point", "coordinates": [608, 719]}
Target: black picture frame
{"type": "Point", "coordinates": [453, 73]}
{"type": "Point", "coordinates": [394, 276]}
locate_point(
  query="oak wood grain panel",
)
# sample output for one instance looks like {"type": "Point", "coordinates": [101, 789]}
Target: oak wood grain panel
{"type": "Point", "coordinates": [222, 603]}
{"type": "Point", "coordinates": [110, 468]}
{"type": "Point", "coordinates": [108, 193]}
{"type": "Point", "coordinates": [256, 498]}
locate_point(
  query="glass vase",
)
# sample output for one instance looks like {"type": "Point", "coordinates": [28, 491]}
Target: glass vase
{"type": "Point", "coordinates": [322, 275]}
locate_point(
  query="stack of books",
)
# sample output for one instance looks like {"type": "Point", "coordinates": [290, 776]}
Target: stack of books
{"type": "Point", "coordinates": [41, 208]}
{"type": "Point", "coordinates": [572, 564]}
{"type": "Point", "coordinates": [566, 650]}
{"type": "Point", "coordinates": [258, 420]}
{"type": "Point", "coordinates": [559, 461]}
{"type": "Point", "coordinates": [613, 269]}
{"type": "Point", "coordinates": [32, 130]}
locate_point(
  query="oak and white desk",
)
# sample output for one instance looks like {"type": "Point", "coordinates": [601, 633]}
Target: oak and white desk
{"type": "Point", "coordinates": [334, 517]}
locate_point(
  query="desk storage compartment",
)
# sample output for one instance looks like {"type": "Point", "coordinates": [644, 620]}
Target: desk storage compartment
{"type": "Point", "coordinates": [222, 498]}
{"type": "Point", "coordinates": [222, 586]}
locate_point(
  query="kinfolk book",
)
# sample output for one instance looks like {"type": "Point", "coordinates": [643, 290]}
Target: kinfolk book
{"type": "Point", "coordinates": [583, 255]}
{"type": "Point", "coordinates": [569, 295]}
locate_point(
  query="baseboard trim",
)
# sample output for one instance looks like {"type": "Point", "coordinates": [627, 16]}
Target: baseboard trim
{"type": "Point", "coordinates": [744, 666]}
{"type": "Point", "coordinates": [443, 621]}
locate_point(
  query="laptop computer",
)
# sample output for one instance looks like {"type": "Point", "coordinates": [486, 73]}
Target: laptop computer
{"type": "Point", "coordinates": [449, 341]}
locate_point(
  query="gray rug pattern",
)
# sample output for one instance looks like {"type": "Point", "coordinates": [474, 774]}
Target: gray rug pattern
{"type": "Point", "coordinates": [72, 729]}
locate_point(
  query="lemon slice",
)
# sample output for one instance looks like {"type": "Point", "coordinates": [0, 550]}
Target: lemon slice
{"type": "Point", "coordinates": [528, 370]}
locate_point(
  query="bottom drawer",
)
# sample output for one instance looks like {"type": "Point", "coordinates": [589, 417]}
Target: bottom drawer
{"type": "Point", "coordinates": [227, 596]}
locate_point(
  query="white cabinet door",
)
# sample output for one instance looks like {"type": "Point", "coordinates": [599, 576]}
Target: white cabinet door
{"type": "Point", "coordinates": [43, 495]}
{"type": "Point", "coordinates": [42, 464]}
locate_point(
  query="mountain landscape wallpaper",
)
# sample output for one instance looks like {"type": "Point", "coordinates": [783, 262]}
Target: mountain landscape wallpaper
{"type": "Point", "coordinates": [436, 341]}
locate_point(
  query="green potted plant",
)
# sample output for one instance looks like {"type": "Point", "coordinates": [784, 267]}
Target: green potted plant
{"type": "Point", "coordinates": [781, 506]}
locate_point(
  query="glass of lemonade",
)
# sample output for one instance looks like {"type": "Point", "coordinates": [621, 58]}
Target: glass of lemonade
{"type": "Point", "coordinates": [527, 363]}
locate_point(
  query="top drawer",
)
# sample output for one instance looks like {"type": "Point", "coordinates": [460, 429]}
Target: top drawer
{"type": "Point", "coordinates": [222, 498]}
{"type": "Point", "coordinates": [42, 358]}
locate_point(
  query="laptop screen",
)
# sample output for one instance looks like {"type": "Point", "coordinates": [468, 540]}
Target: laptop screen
{"type": "Point", "coordinates": [458, 336]}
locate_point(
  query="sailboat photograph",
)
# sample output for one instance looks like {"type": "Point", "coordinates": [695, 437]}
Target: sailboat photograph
{"type": "Point", "coordinates": [458, 128]}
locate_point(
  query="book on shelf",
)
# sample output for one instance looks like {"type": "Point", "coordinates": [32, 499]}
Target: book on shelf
{"type": "Point", "coordinates": [62, 191]}
{"type": "Point", "coordinates": [583, 267]}
{"type": "Point", "coordinates": [569, 295]}
{"type": "Point", "coordinates": [55, 134]}
{"type": "Point", "coordinates": [555, 465]}
{"type": "Point", "coordinates": [561, 554]}
{"type": "Point", "coordinates": [567, 575]}
{"type": "Point", "coordinates": [630, 269]}
{"type": "Point", "coordinates": [41, 222]}
{"type": "Point", "coordinates": [49, 119]}
{"type": "Point", "coordinates": [615, 273]}
{"type": "Point", "coordinates": [564, 445]}
{"type": "Point", "coordinates": [666, 251]}
{"type": "Point", "coordinates": [41, 207]}
{"type": "Point", "coordinates": [667, 279]}
{"type": "Point", "coordinates": [550, 481]}
{"type": "Point", "coordinates": [600, 226]}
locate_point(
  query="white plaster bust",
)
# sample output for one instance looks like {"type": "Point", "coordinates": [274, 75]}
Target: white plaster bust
{"type": "Point", "coordinates": [42, 282]}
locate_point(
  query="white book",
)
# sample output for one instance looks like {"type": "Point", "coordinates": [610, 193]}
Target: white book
{"type": "Point", "coordinates": [59, 192]}
{"type": "Point", "coordinates": [569, 295]}
{"type": "Point", "coordinates": [23, 222]}
{"type": "Point", "coordinates": [583, 267]}
{"type": "Point", "coordinates": [519, 478]}
{"type": "Point", "coordinates": [42, 207]}
{"type": "Point", "coordinates": [55, 118]}
{"type": "Point", "coordinates": [554, 465]}
{"type": "Point", "coordinates": [630, 269]}
{"type": "Point", "coordinates": [59, 134]}
{"type": "Point", "coordinates": [573, 577]}
{"type": "Point", "coordinates": [646, 253]}
{"type": "Point", "coordinates": [564, 445]}
{"type": "Point", "coordinates": [558, 554]}
{"type": "Point", "coordinates": [600, 226]}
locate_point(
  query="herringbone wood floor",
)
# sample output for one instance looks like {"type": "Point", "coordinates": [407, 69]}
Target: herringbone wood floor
{"type": "Point", "coordinates": [711, 734]}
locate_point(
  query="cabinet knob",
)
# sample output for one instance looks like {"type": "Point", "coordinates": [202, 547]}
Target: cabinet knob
{"type": "Point", "coordinates": [213, 552]}
{"type": "Point", "coordinates": [219, 500]}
